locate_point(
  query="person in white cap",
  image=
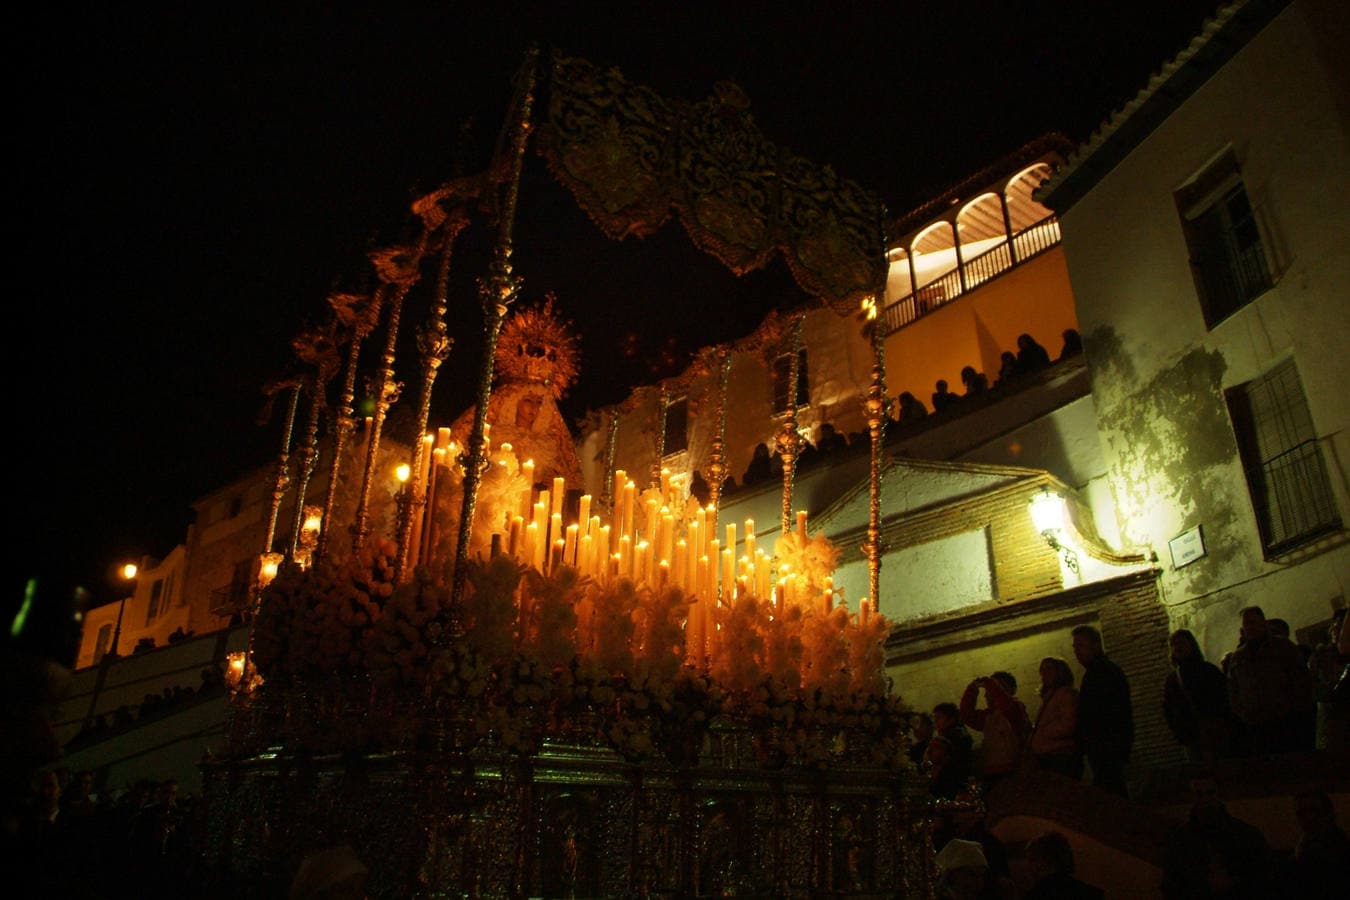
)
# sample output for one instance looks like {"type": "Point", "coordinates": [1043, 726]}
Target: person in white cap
{"type": "Point", "coordinates": [963, 871]}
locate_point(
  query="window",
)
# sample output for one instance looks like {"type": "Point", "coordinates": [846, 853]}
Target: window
{"type": "Point", "coordinates": [1286, 474]}
{"type": "Point", "coordinates": [156, 591]}
{"type": "Point", "coordinates": [782, 377]}
{"type": "Point", "coordinates": [1227, 260]}
{"type": "Point", "coordinates": [676, 435]}
{"type": "Point", "coordinates": [241, 585]}
{"type": "Point", "coordinates": [102, 642]}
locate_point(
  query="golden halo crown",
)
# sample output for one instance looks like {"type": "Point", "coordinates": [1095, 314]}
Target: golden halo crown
{"type": "Point", "coordinates": [538, 346]}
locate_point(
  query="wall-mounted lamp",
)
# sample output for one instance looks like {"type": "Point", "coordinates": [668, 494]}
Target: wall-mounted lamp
{"type": "Point", "coordinates": [1048, 515]}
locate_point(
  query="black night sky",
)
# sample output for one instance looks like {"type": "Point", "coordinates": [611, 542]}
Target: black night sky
{"type": "Point", "coordinates": [195, 178]}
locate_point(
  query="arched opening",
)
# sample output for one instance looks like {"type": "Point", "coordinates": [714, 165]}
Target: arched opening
{"type": "Point", "coordinates": [1034, 227]}
{"type": "Point", "coordinates": [983, 230]}
{"type": "Point", "coordinates": [937, 276]}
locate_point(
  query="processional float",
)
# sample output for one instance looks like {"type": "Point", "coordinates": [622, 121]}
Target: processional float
{"type": "Point", "coordinates": [487, 700]}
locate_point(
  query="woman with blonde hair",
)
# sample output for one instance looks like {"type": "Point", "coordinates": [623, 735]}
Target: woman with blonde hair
{"type": "Point", "coordinates": [1052, 738]}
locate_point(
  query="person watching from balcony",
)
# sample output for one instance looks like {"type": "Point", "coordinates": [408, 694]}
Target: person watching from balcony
{"type": "Point", "coordinates": [911, 409]}
{"type": "Point", "coordinates": [760, 468]}
{"type": "Point", "coordinates": [976, 383]}
{"type": "Point", "coordinates": [1031, 356]}
{"type": "Point", "coordinates": [942, 398]}
{"type": "Point", "coordinates": [1007, 370]}
{"type": "Point", "coordinates": [1073, 344]}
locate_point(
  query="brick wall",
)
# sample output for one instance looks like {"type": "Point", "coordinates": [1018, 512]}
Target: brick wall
{"type": "Point", "coordinates": [935, 658]}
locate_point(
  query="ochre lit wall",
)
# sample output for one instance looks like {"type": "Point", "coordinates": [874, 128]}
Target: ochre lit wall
{"type": "Point", "coordinates": [1035, 298]}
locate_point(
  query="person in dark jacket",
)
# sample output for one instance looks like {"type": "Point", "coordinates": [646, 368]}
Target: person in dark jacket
{"type": "Point", "coordinates": [950, 756]}
{"type": "Point", "coordinates": [1270, 689]}
{"type": "Point", "coordinates": [1195, 702]}
{"type": "Point", "coordinates": [1031, 356]}
{"type": "Point", "coordinates": [1105, 712]}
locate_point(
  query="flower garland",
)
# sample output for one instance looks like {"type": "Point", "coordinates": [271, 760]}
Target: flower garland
{"type": "Point", "coordinates": [525, 656]}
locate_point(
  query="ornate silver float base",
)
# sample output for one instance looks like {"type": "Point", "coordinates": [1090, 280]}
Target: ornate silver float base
{"type": "Point", "coordinates": [572, 820]}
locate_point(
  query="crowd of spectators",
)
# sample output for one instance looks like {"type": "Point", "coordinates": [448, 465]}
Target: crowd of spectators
{"type": "Point", "coordinates": [1014, 371]}
{"type": "Point", "coordinates": [1268, 696]}
{"type": "Point", "coordinates": [766, 464]}
{"type": "Point", "coordinates": [78, 841]}
{"type": "Point", "coordinates": [152, 706]}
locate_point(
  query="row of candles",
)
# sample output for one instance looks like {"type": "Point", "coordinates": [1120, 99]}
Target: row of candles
{"type": "Point", "coordinates": [712, 572]}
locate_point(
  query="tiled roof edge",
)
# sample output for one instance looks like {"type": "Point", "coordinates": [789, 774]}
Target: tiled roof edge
{"type": "Point", "coordinates": [1230, 29]}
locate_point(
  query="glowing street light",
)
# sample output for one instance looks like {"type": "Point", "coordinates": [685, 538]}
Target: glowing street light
{"type": "Point", "coordinates": [1048, 514]}
{"type": "Point", "coordinates": [128, 574]}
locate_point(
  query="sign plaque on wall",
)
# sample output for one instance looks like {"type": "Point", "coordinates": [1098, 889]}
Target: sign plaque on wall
{"type": "Point", "coordinates": [1187, 547]}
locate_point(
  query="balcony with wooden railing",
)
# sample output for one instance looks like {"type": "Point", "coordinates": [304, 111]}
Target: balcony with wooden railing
{"type": "Point", "coordinates": [969, 274]}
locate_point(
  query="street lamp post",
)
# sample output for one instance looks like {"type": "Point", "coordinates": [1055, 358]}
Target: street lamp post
{"type": "Point", "coordinates": [129, 574]}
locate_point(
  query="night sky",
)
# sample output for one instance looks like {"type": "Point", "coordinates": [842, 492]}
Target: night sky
{"type": "Point", "coordinates": [194, 179]}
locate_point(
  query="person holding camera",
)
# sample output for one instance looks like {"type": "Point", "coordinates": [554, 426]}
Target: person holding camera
{"type": "Point", "coordinates": [1003, 721]}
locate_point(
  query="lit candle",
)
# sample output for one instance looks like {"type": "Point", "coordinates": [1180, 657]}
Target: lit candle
{"type": "Point", "coordinates": [531, 542]}
{"type": "Point", "coordinates": [801, 524]}
{"type": "Point", "coordinates": [728, 576]}
{"type": "Point", "coordinates": [570, 546]}
{"type": "Point", "coordinates": [665, 483]}
{"type": "Point", "coordinates": [555, 528]}
{"type": "Point", "coordinates": [750, 538]}
{"type": "Point", "coordinates": [864, 610]}
{"type": "Point", "coordinates": [681, 572]}
{"type": "Point", "coordinates": [653, 519]}
{"type": "Point", "coordinates": [526, 501]}
{"type": "Point", "coordinates": [629, 502]}
{"type": "Point", "coordinates": [513, 538]}
{"type": "Point", "coordinates": [642, 563]}
{"type": "Point", "coordinates": [692, 643]}
{"type": "Point", "coordinates": [695, 540]}
{"type": "Point", "coordinates": [584, 515]}
{"type": "Point", "coordinates": [702, 588]}
{"type": "Point", "coordinates": [541, 512]}
{"type": "Point", "coordinates": [602, 544]}
{"type": "Point", "coordinates": [667, 536]}
{"type": "Point", "coordinates": [559, 493]}
{"type": "Point", "coordinates": [714, 566]}
{"type": "Point", "coordinates": [556, 557]}
{"type": "Point", "coordinates": [662, 573]}
{"type": "Point", "coordinates": [586, 555]}
{"type": "Point", "coordinates": [731, 538]}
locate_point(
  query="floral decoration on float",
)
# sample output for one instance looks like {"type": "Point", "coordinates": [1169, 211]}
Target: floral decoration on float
{"type": "Point", "coordinates": [643, 635]}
